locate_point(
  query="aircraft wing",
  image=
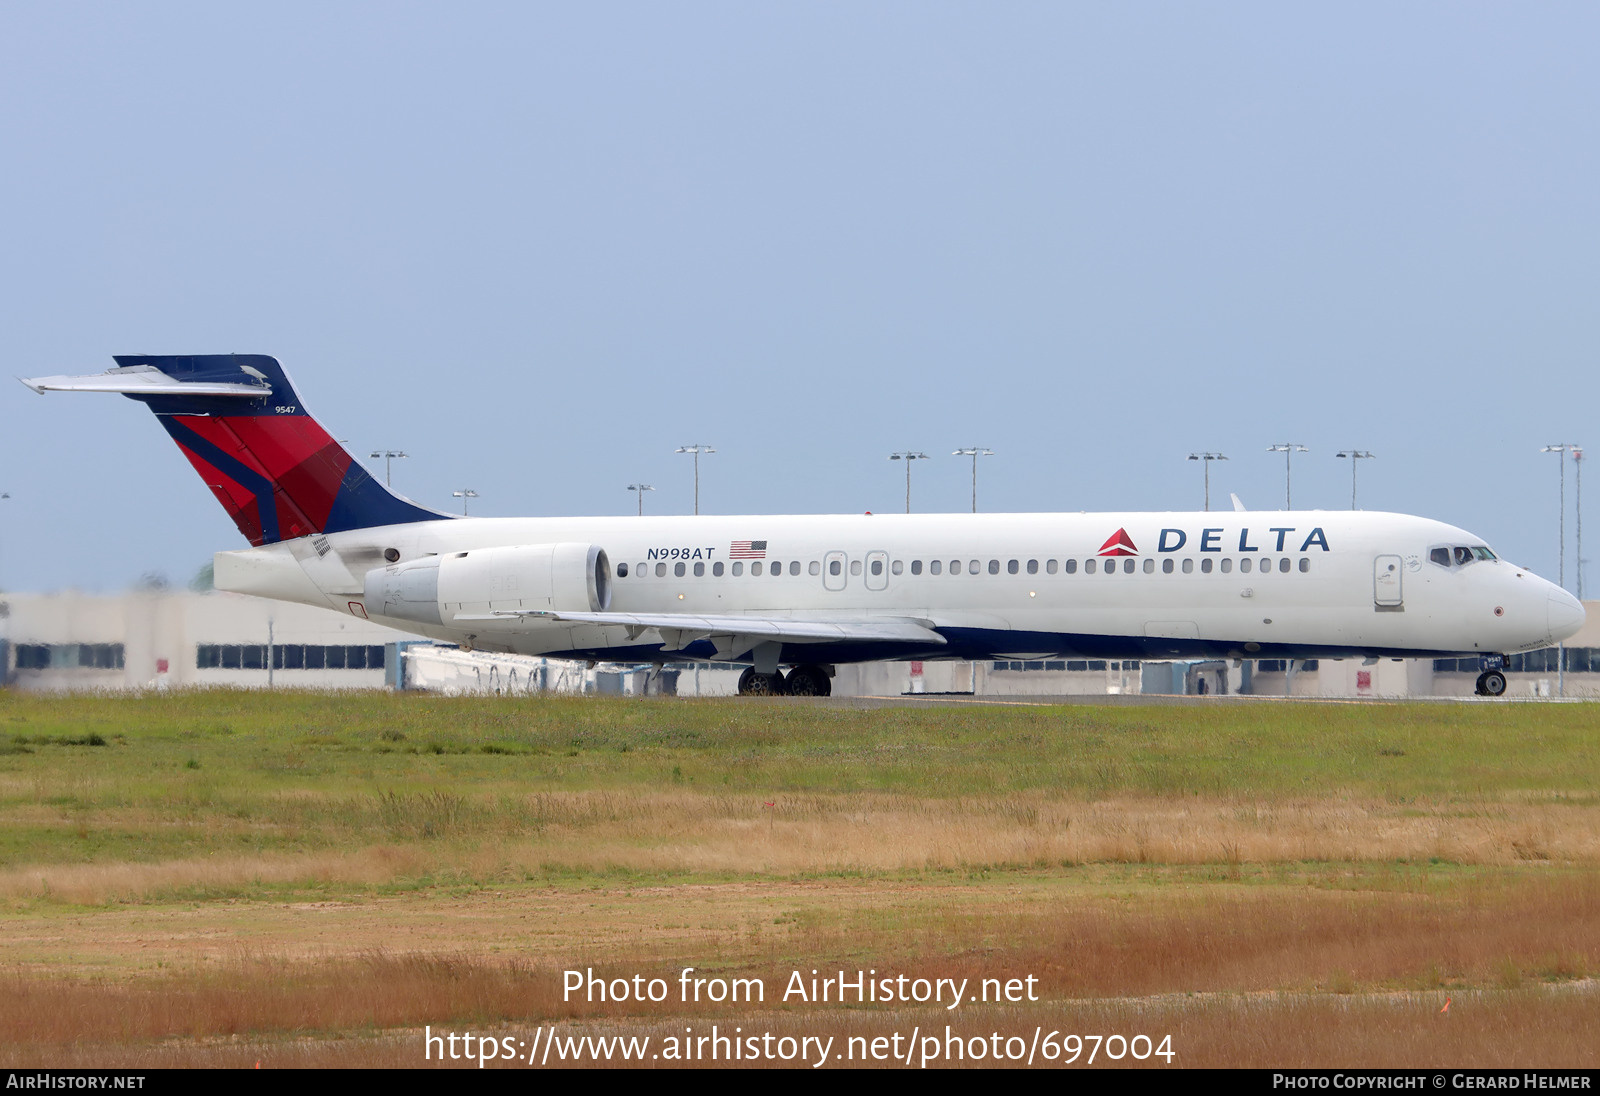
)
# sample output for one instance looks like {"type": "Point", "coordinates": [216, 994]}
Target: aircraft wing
{"type": "Point", "coordinates": [735, 635]}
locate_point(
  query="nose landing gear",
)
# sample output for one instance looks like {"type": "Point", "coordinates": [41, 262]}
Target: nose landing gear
{"type": "Point", "coordinates": [1491, 683]}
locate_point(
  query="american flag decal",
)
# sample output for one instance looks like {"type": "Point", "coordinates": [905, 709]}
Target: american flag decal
{"type": "Point", "coordinates": [747, 549]}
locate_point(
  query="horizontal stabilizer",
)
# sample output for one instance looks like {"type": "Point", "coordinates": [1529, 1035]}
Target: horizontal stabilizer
{"type": "Point", "coordinates": [146, 380]}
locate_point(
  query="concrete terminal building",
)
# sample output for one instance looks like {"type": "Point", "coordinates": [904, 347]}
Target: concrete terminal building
{"type": "Point", "coordinates": [181, 639]}
{"type": "Point", "coordinates": [162, 639]}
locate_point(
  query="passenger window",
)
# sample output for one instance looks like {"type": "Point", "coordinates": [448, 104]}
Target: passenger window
{"type": "Point", "coordinates": [835, 567]}
{"type": "Point", "coordinates": [916, 567]}
{"type": "Point", "coordinates": [877, 568]}
{"type": "Point", "coordinates": [716, 570]}
{"type": "Point", "coordinates": [1441, 556]}
{"type": "Point", "coordinates": [1305, 564]}
{"type": "Point", "coordinates": [1166, 567]}
{"type": "Point", "coordinates": [1227, 565]}
{"type": "Point", "coordinates": [641, 570]}
{"type": "Point", "coordinates": [935, 567]}
{"type": "Point", "coordinates": [678, 569]}
{"type": "Point", "coordinates": [1111, 566]}
{"type": "Point", "coordinates": [794, 567]}
{"type": "Point", "coordinates": [994, 566]}
{"type": "Point", "coordinates": [699, 570]}
{"type": "Point", "coordinates": [1033, 567]}
{"type": "Point", "coordinates": [1188, 566]}
{"type": "Point", "coordinates": [738, 569]}
{"type": "Point", "coordinates": [1088, 566]}
{"type": "Point", "coordinates": [897, 567]}
{"type": "Point", "coordinates": [855, 567]}
{"type": "Point", "coordinates": [755, 568]}
{"type": "Point", "coordinates": [777, 570]}
{"type": "Point", "coordinates": [955, 567]}
{"type": "Point", "coordinates": [661, 570]}
{"type": "Point", "coordinates": [1127, 566]}
{"type": "Point", "coordinates": [1071, 566]}
{"type": "Point", "coordinates": [1283, 566]}
{"type": "Point", "coordinates": [1049, 566]}
{"type": "Point", "coordinates": [622, 570]}
{"type": "Point", "coordinates": [1205, 566]}
{"type": "Point", "coordinates": [1149, 566]}
{"type": "Point", "coordinates": [974, 566]}
{"type": "Point", "coordinates": [815, 568]}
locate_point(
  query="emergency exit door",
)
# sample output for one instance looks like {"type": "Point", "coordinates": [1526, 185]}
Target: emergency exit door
{"type": "Point", "coordinates": [834, 573]}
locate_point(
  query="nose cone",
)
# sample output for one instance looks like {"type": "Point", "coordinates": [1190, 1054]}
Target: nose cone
{"type": "Point", "coordinates": [1566, 615]}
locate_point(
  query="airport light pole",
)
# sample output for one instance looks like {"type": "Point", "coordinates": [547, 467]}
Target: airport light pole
{"type": "Point", "coordinates": [908, 455]}
{"type": "Point", "coordinates": [641, 488]}
{"type": "Point", "coordinates": [974, 451]}
{"type": "Point", "coordinates": [1561, 449]}
{"type": "Point", "coordinates": [1354, 455]}
{"type": "Point", "coordinates": [465, 494]}
{"type": "Point", "coordinates": [389, 457]}
{"type": "Point", "coordinates": [1207, 458]}
{"type": "Point", "coordinates": [1577, 473]}
{"type": "Point", "coordinates": [1288, 449]}
{"type": "Point", "coordinates": [3, 497]}
{"type": "Point", "coordinates": [696, 449]}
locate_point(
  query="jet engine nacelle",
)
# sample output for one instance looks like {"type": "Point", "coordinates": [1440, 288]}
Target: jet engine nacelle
{"type": "Point", "coordinates": [433, 590]}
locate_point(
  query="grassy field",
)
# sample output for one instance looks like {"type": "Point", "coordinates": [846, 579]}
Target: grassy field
{"type": "Point", "coordinates": [228, 877]}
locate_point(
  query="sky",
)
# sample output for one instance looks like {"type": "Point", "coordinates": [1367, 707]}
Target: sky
{"type": "Point", "coordinates": [541, 246]}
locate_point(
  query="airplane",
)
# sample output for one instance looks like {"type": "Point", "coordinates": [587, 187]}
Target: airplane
{"type": "Point", "coordinates": [811, 592]}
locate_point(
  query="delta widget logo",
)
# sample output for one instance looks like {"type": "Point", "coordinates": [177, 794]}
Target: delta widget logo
{"type": "Point", "coordinates": [1118, 544]}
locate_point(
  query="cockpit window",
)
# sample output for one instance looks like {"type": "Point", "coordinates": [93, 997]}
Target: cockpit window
{"type": "Point", "coordinates": [1460, 555]}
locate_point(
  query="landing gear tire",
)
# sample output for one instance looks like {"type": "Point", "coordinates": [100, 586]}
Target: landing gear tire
{"type": "Point", "coordinates": [809, 680]}
{"type": "Point", "coordinates": [754, 684]}
{"type": "Point", "coordinates": [1491, 683]}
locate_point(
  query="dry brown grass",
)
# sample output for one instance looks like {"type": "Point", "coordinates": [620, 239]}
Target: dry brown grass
{"type": "Point", "coordinates": [694, 832]}
{"type": "Point", "coordinates": [1149, 941]}
{"type": "Point", "coordinates": [132, 881]}
{"type": "Point", "coordinates": [229, 881]}
{"type": "Point", "coordinates": [1530, 1028]}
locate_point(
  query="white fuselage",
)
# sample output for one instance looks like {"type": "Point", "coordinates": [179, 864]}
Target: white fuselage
{"type": "Point", "coordinates": [1235, 584]}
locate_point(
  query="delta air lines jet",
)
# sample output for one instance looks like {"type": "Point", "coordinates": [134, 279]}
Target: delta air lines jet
{"type": "Point", "coordinates": [809, 592]}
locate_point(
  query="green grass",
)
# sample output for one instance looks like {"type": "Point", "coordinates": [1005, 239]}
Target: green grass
{"type": "Point", "coordinates": [161, 777]}
{"type": "Point", "coordinates": [244, 861]}
{"type": "Point", "coordinates": [102, 751]}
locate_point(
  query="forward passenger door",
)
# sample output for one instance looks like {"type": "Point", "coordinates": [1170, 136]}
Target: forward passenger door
{"type": "Point", "coordinates": [1387, 592]}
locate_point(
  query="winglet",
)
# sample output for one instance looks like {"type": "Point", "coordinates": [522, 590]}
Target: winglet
{"type": "Point", "coordinates": [1237, 505]}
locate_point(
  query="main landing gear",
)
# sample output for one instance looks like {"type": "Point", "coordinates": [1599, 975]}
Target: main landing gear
{"type": "Point", "coordinates": [806, 680]}
{"type": "Point", "coordinates": [1491, 683]}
